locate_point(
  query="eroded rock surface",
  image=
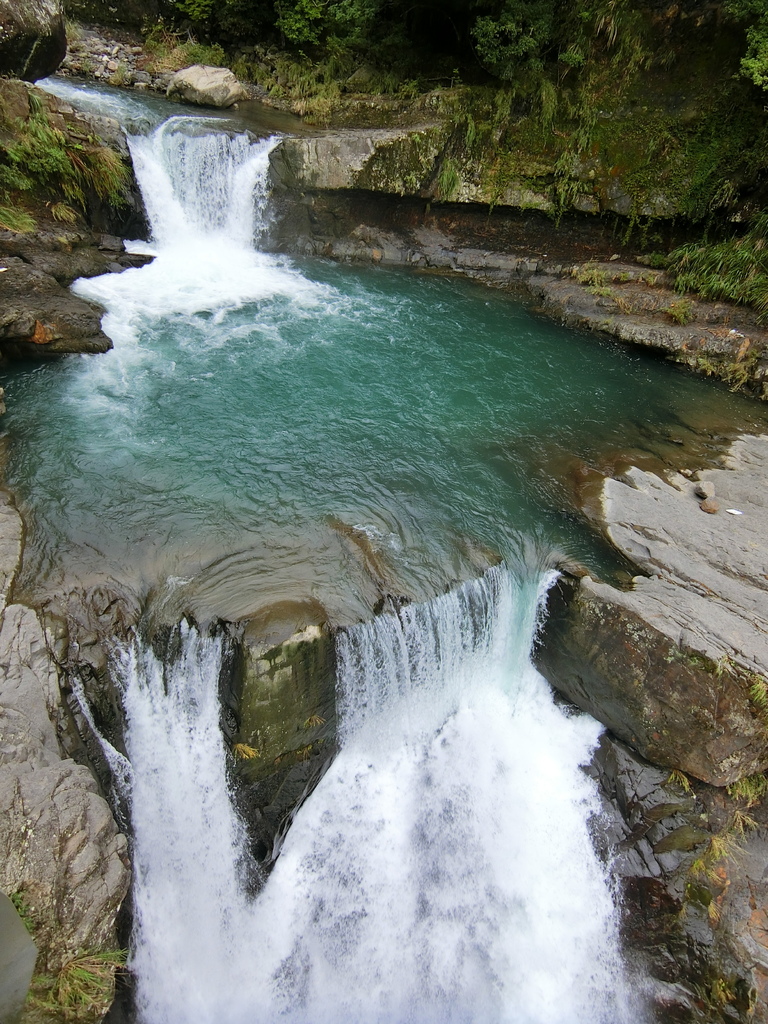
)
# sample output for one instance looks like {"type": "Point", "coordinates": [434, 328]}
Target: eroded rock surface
{"type": "Point", "coordinates": [59, 845]}
{"type": "Point", "coordinates": [693, 919]}
{"type": "Point", "coordinates": [397, 161]}
{"type": "Point", "coordinates": [678, 665]}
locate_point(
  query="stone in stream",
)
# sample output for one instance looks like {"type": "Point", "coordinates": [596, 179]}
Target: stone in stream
{"type": "Point", "coordinates": [677, 667]}
{"type": "Point", "coordinates": [704, 489]}
{"type": "Point", "coordinates": [206, 86]}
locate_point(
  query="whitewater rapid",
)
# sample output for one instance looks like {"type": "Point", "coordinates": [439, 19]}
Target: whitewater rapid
{"type": "Point", "coordinates": [442, 871]}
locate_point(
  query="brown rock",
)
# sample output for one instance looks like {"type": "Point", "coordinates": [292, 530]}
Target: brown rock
{"type": "Point", "coordinates": [710, 505]}
{"type": "Point", "coordinates": [42, 334]}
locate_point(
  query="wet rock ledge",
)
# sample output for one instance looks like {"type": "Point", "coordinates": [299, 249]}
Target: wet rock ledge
{"type": "Point", "coordinates": [678, 665]}
{"type": "Point", "coordinates": [39, 316]}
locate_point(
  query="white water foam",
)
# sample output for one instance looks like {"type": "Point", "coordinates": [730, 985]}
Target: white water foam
{"type": "Point", "coordinates": [441, 872]}
{"type": "Point", "coordinates": [206, 193]}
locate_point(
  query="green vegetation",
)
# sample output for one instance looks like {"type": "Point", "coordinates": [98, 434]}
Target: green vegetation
{"type": "Point", "coordinates": [82, 991]}
{"type": "Point", "coordinates": [681, 311]}
{"type": "Point", "coordinates": [708, 869]}
{"type": "Point", "coordinates": [754, 13]}
{"type": "Point", "coordinates": [679, 778]}
{"type": "Point", "coordinates": [171, 51]}
{"type": "Point", "coordinates": [758, 692]}
{"type": "Point", "coordinates": [23, 909]}
{"type": "Point", "coordinates": [751, 789]}
{"type": "Point", "coordinates": [735, 269]}
{"type": "Point", "coordinates": [43, 163]}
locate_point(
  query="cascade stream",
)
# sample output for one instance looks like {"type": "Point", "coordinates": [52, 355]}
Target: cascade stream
{"type": "Point", "coordinates": [442, 872]}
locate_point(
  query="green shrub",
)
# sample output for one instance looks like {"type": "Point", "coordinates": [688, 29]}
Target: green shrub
{"type": "Point", "coordinates": [681, 311]}
{"type": "Point", "coordinates": [38, 158]}
{"type": "Point", "coordinates": [82, 991]}
{"type": "Point", "coordinates": [734, 270]}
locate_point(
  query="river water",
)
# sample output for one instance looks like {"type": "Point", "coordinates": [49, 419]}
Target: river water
{"type": "Point", "coordinates": [272, 433]}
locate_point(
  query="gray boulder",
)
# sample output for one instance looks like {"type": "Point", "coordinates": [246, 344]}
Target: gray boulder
{"type": "Point", "coordinates": [33, 40]}
{"type": "Point", "coordinates": [206, 86]}
{"type": "Point", "coordinates": [18, 954]}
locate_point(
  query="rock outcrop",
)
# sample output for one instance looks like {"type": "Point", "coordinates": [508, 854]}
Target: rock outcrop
{"type": "Point", "coordinates": [396, 161]}
{"type": "Point", "coordinates": [206, 86]}
{"type": "Point", "coordinates": [40, 318]}
{"type": "Point", "coordinates": [690, 865]}
{"type": "Point", "coordinates": [60, 849]}
{"type": "Point", "coordinates": [33, 40]}
{"type": "Point", "coordinates": [640, 307]}
{"type": "Point", "coordinates": [324, 210]}
{"type": "Point", "coordinates": [677, 666]}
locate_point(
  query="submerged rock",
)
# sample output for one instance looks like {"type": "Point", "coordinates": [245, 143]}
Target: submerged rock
{"type": "Point", "coordinates": [677, 666]}
{"type": "Point", "coordinates": [206, 86]}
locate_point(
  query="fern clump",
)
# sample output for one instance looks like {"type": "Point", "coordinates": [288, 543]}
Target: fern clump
{"type": "Point", "coordinates": [41, 161]}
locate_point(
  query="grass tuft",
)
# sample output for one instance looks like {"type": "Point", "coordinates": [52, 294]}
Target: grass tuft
{"type": "Point", "coordinates": [83, 990]}
{"type": "Point", "coordinates": [750, 789]}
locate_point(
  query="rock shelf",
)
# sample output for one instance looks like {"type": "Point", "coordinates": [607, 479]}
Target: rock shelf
{"type": "Point", "coordinates": [677, 666]}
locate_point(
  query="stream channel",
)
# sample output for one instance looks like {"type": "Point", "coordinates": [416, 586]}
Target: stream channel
{"type": "Point", "coordinates": [286, 441]}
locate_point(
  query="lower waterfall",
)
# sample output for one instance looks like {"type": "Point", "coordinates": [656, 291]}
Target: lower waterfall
{"type": "Point", "coordinates": [442, 870]}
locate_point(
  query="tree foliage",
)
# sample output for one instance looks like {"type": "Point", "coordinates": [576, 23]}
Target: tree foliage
{"type": "Point", "coordinates": [754, 13]}
{"type": "Point", "coordinates": [504, 38]}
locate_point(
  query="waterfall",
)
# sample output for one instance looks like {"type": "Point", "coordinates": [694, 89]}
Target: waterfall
{"type": "Point", "coordinates": [205, 190]}
{"type": "Point", "coordinates": [200, 184]}
{"type": "Point", "coordinates": [442, 870]}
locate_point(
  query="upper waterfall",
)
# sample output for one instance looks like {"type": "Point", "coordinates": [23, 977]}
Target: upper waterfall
{"type": "Point", "coordinates": [200, 182]}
